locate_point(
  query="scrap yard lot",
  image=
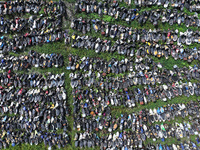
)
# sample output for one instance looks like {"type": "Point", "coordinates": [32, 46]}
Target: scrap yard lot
{"type": "Point", "coordinates": [100, 74]}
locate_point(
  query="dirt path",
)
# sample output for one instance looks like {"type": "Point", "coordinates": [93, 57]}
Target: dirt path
{"type": "Point", "coordinates": [69, 10]}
